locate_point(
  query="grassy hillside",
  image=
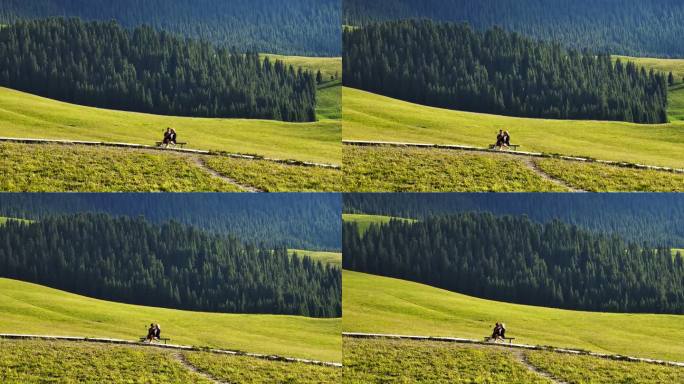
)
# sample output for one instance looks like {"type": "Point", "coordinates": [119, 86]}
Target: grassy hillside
{"type": "Point", "coordinates": [329, 66]}
{"type": "Point", "coordinates": [334, 258]}
{"type": "Point", "coordinates": [676, 94]}
{"type": "Point", "coordinates": [365, 221]}
{"type": "Point", "coordinates": [402, 307]}
{"type": "Point", "coordinates": [38, 361]}
{"type": "Point", "coordinates": [33, 309]}
{"type": "Point", "coordinates": [412, 361]}
{"type": "Point", "coordinates": [26, 115]}
{"type": "Point", "coordinates": [367, 116]}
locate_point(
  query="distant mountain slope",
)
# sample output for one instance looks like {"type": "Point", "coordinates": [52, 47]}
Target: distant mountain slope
{"type": "Point", "coordinates": [171, 265]}
{"type": "Point", "coordinates": [513, 259]}
{"type": "Point", "coordinates": [630, 27]}
{"type": "Point", "coordinates": [302, 27]}
{"type": "Point", "coordinates": [302, 221]}
{"type": "Point", "coordinates": [653, 218]}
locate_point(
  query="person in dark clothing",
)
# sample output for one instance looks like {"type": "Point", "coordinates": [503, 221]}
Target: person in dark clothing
{"type": "Point", "coordinates": [500, 139]}
{"type": "Point", "coordinates": [506, 139]}
{"type": "Point", "coordinates": [167, 137]}
{"type": "Point", "coordinates": [157, 332]}
{"type": "Point", "coordinates": [150, 333]}
{"type": "Point", "coordinates": [496, 332]}
{"type": "Point", "coordinates": [502, 331]}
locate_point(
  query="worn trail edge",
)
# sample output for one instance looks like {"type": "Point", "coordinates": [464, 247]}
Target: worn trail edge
{"type": "Point", "coordinates": [201, 164]}
{"type": "Point", "coordinates": [522, 358]}
{"type": "Point", "coordinates": [188, 365]}
{"type": "Point", "coordinates": [360, 335]}
{"type": "Point", "coordinates": [535, 168]}
{"type": "Point", "coordinates": [458, 147]}
{"type": "Point", "coordinates": [104, 340]}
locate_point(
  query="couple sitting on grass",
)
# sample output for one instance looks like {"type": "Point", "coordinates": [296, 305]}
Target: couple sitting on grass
{"type": "Point", "coordinates": [169, 137]}
{"type": "Point", "coordinates": [499, 332]}
{"type": "Point", "coordinates": [503, 139]}
{"type": "Point", "coordinates": [153, 333]}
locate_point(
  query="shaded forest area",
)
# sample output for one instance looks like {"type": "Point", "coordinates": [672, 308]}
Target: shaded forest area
{"type": "Point", "coordinates": [294, 220]}
{"type": "Point", "coordinates": [513, 259]}
{"type": "Point", "coordinates": [171, 265]}
{"type": "Point", "coordinates": [298, 27]}
{"type": "Point", "coordinates": [653, 218]}
{"type": "Point", "coordinates": [626, 27]}
{"type": "Point", "coordinates": [452, 66]}
{"type": "Point", "coordinates": [101, 64]}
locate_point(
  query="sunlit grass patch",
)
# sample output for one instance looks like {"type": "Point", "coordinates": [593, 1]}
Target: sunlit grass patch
{"type": "Point", "coordinates": [65, 168]}
{"type": "Point", "coordinates": [596, 177]}
{"type": "Point", "coordinates": [392, 169]}
{"type": "Point", "coordinates": [249, 370]}
{"type": "Point", "coordinates": [593, 370]}
{"type": "Point", "coordinates": [277, 177]}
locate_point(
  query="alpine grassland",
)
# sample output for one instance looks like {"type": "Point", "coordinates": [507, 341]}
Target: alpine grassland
{"type": "Point", "coordinates": [248, 370]}
{"type": "Point", "coordinates": [591, 370]}
{"type": "Point", "coordinates": [76, 168]}
{"type": "Point", "coordinates": [34, 309]}
{"type": "Point", "coordinates": [377, 304]}
{"type": "Point", "coordinates": [333, 258]}
{"type": "Point", "coordinates": [277, 177]}
{"type": "Point", "coordinates": [39, 361]}
{"type": "Point", "coordinates": [25, 361]}
{"type": "Point", "coordinates": [397, 169]}
{"type": "Point", "coordinates": [402, 361]}
{"type": "Point", "coordinates": [597, 177]}
{"type": "Point", "coordinates": [363, 222]}
{"type": "Point", "coordinates": [29, 116]}
{"type": "Point", "coordinates": [368, 116]}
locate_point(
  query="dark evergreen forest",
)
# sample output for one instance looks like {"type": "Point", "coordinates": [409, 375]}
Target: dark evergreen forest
{"type": "Point", "coordinates": [298, 27]}
{"type": "Point", "coordinates": [130, 260]}
{"type": "Point", "coordinates": [628, 27]}
{"type": "Point", "coordinates": [654, 218]}
{"type": "Point", "coordinates": [452, 66]}
{"type": "Point", "coordinates": [103, 65]}
{"type": "Point", "coordinates": [513, 259]}
{"type": "Point", "coordinates": [295, 220]}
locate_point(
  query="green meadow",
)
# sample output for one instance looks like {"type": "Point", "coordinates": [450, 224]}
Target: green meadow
{"type": "Point", "coordinates": [29, 116]}
{"type": "Point", "coordinates": [377, 304]}
{"type": "Point", "coordinates": [363, 222]}
{"type": "Point", "coordinates": [333, 258]}
{"type": "Point", "coordinates": [368, 116]}
{"type": "Point", "coordinates": [39, 361]}
{"type": "Point", "coordinates": [596, 177]}
{"type": "Point", "coordinates": [408, 169]}
{"type": "Point", "coordinates": [33, 309]}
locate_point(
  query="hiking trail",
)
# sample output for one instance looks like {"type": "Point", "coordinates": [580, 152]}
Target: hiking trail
{"type": "Point", "coordinates": [199, 162]}
{"type": "Point", "coordinates": [532, 165]}
{"type": "Point", "coordinates": [188, 365]}
{"type": "Point", "coordinates": [522, 358]}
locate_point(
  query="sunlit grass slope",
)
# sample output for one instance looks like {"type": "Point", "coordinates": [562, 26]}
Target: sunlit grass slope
{"type": "Point", "coordinates": [334, 258]}
{"type": "Point", "coordinates": [33, 309]}
{"type": "Point", "coordinates": [365, 221]}
{"type": "Point", "coordinates": [385, 305]}
{"type": "Point", "coordinates": [676, 66]}
{"type": "Point", "coordinates": [26, 115]}
{"type": "Point", "coordinates": [329, 66]}
{"type": "Point", "coordinates": [367, 116]}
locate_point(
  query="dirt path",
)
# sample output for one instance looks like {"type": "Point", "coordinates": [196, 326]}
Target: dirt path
{"type": "Point", "coordinates": [522, 358]}
{"type": "Point", "coordinates": [198, 161]}
{"type": "Point", "coordinates": [535, 168]}
{"type": "Point", "coordinates": [185, 363]}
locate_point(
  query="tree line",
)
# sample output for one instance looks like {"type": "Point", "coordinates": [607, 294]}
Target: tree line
{"type": "Point", "coordinates": [299, 27]}
{"type": "Point", "coordinates": [171, 265]}
{"type": "Point", "coordinates": [627, 27]}
{"type": "Point", "coordinates": [655, 219]}
{"type": "Point", "coordinates": [513, 259]}
{"type": "Point", "coordinates": [295, 220]}
{"type": "Point", "coordinates": [101, 64]}
{"type": "Point", "coordinates": [452, 66]}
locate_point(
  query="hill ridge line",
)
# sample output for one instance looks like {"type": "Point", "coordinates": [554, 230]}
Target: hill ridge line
{"type": "Point", "coordinates": [153, 147]}
{"type": "Point", "coordinates": [105, 340]}
{"type": "Point", "coordinates": [361, 335]}
{"type": "Point", "coordinates": [374, 143]}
